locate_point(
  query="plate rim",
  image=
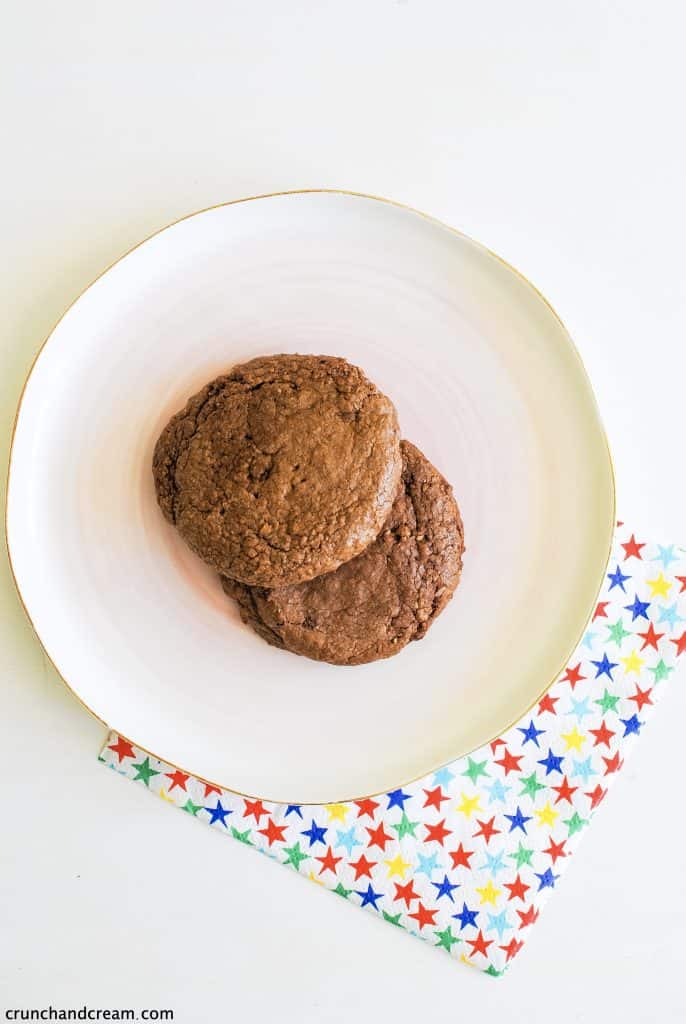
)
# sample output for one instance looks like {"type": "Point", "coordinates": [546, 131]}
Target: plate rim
{"type": "Point", "coordinates": [433, 220]}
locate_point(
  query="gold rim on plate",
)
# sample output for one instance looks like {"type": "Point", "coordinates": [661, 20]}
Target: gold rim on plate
{"type": "Point", "coordinates": [273, 195]}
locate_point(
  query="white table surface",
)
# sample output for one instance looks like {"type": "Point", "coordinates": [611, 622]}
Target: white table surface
{"type": "Point", "coordinates": [552, 133]}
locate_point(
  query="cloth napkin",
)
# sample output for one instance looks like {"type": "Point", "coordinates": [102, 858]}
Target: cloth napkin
{"type": "Point", "coordinates": [466, 857]}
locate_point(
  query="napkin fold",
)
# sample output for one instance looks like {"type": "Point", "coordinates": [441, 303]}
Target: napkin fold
{"type": "Point", "coordinates": [467, 856]}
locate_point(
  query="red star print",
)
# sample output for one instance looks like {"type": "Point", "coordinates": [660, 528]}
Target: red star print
{"type": "Point", "coordinates": [255, 808]}
{"type": "Point", "coordinates": [511, 949]}
{"type": "Point", "coordinates": [480, 944]}
{"type": "Point", "coordinates": [437, 833]}
{"type": "Point", "coordinates": [363, 867]}
{"type": "Point", "coordinates": [509, 762]}
{"type": "Point", "coordinates": [680, 643]}
{"type": "Point", "coordinates": [650, 637]}
{"type": "Point", "coordinates": [573, 676]}
{"type": "Point", "coordinates": [602, 735]}
{"type": "Point", "coordinates": [486, 829]}
{"type": "Point", "coordinates": [273, 832]}
{"type": "Point", "coordinates": [434, 798]}
{"type": "Point", "coordinates": [423, 916]}
{"type": "Point", "coordinates": [517, 889]}
{"type": "Point", "coordinates": [682, 581]}
{"type": "Point", "coordinates": [497, 743]}
{"type": "Point", "coordinates": [564, 791]}
{"type": "Point", "coordinates": [328, 861]}
{"type": "Point", "coordinates": [405, 892]}
{"type": "Point", "coordinates": [460, 857]}
{"type": "Point", "coordinates": [209, 788]}
{"type": "Point", "coordinates": [378, 837]}
{"type": "Point", "coordinates": [547, 703]}
{"type": "Point", "coordinates": [633, 549]}
{"type": "Point", "coordinates": [529, 916]}
{"type": "Point", "coordinates": [178, 778]}
{"type": "Point", "coordinates": [641, 697]}
{"type": "Point", "coordinates": [596, 795]}
{"type": "Point", "coordinates": [367, 806]}
{"type": "Point", "coordinates": [556, 850]}
{"type": "Point", "coordinates": [122, 748]}
{"type": "Point", "coordinates": [600, 612]}
{"type": "Point", "coordinates": [613, 764]}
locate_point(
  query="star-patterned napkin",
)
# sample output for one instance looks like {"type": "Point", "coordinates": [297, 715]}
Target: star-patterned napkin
{"type": "Point", "coordinates": [466, 857]}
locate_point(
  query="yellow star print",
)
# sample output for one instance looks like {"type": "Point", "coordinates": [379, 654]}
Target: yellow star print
{"type": "Point", "coordinates": [397, 866]}
{"type": "Point", "coordinates": [165, 796]}
{"type": "Point", "coordinates": [633, 663]}
{"type": "Point", "coordinates": [546, 815]}
{"type": "Point", "coordinates": [574, 740]}
{"type": "Point", "coordinates": [468, 805]}
{"type": "Point", "coordinates": [337, 812]}
{"type": "Point", "coordinates": [659, 587]}
{"type": "Point", "coordinates": [489, 894]}
{"type": "Point", "coordinates": [313, 878]}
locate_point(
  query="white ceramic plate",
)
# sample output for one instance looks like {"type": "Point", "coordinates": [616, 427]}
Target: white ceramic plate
{"type": "Point", "coordinates": [486, 382]}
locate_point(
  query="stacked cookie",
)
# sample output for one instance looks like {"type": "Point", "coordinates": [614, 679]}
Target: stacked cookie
{"type": "Point", "coordinates": [287, 475]}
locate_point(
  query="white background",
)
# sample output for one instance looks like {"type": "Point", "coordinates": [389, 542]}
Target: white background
{"type": "Point", "coordinates": [554, 134]}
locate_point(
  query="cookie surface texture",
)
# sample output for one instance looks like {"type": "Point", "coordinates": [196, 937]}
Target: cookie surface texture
{"type": "Point", "coordinates": [372, 606]}
{"type": "Point", "coordinates": [280, 470]}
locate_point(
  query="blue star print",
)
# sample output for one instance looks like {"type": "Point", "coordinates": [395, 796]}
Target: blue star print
{"type": "Point", "coordinates": [518, 820]}
{"type": "Point", "coordinates": [631, 725]}
{"type": "Point", "coordinates": [638, 608]}
{"type": "Point", "coordinates": [369, 897]}
{"type": "Point", "coordinates": [531, 733]}
{"type": "Point", "coordinates": [604, 667]}
{"type": "Point", "coordinates": [445, 888]}
{"type": "Point", "coordinates": [552, 763]}
{"type": "Point", "coordinates": [617, 579]}
{"type": "Point", "coordinates": [315, 833]}
{"type": "Point", "coordinates": [547, 879]}
{"type": "Point", "coordinates": [467, 917]}
{"type": "Point", "coordinates": [396, 798]}
{"type": "Point", "coordinates": [218, 813]}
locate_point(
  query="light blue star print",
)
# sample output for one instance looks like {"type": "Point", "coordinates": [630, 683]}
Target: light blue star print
{"type": "Point", "coordinates": [498, 791]}
{"type": "Point", "coordinates": [347, 839]}
{"type": "Point", "coordinates": [579, 708]}
{"type": "Point", "coordinates": [494, 863]}
{"type": "Point", "coordinates": [666, 556]}
{"type": "Point", "coordinates": [499, 923]}
{"type": "Point", "coordinates": [589, 639]}
{"type": "Point", "coordinates": [669, 613]}
{"type": "Point", "coordinates": [427, 865]}
{"type": "Point", "coordinates": [443, 777]}
{"type": "Point", "coordinates": [582, 769]}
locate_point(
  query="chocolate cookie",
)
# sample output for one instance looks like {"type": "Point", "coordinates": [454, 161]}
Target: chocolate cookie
{"type": "Point", "coordinates": [280, 470]}
{"type": "Point", "coordinates": [370, 607]}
